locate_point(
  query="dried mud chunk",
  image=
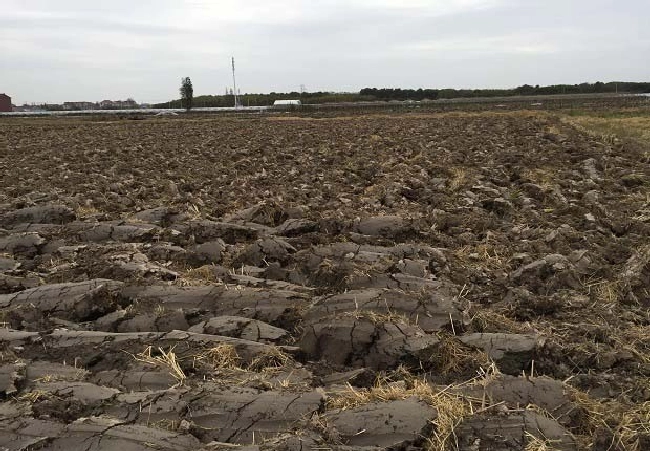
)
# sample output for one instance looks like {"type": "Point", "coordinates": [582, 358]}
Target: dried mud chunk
{"type": "Point", "coordinates": [8, 264]}
{"type": "Point", "coordinates": [11, 378]}
{"type": "Point", "coordinates": [305, 440]}
{"type": "Point", "coordinates": [43, 370]}
{"type": "Point", "coordinates": [156, 322]}
{"type": "Point", "coordinates": [396, 343]}
{"type": "Point", "coordinates": [534, 191]}
{"type": "Point", "coordinates": [415, 268]}
{"type": "Point", "coordinates": [553, 271]}
{"type": "Point", "coordinates": [206, 253]}
{"type": "Point", "coordinates": [84, 392]}
{"type": "Point", "coordinates": [46, 230]}
{"type": "Point", "coordinates": [276, 307]}
{"type": "Point", "coordinates": [296, 227]}
{"type": "Point", "coordinates": [43, 214]}
{"type": "Point", "coordinates": [205, 230]}
{"type": "Point", "coordinates": [518, 392]}
{"type": "Point", "coordinates": [162, 407]}
{"type": "Point", "coordinates": [167, 252]}
{"type": "Point", "coordinates": [498, 205]}
{"type": "Point", "coordinates": [363, 342]}
{"type": "Point", "coordinates": [266, 213]}
{"type": "Point", "coordinates": [113, 231]}
{"type": "Point", "coordinates": [338, 341]}
{"type": "Point", "coordinates": [16, 339]}
{"type": "Point", "coordinates": [240, 327]}
{"type": "Point", "coordinates": [98, 433]}
{"type": "Point", "coordinates": [512, 352]}
{"type": "Point", "coordinates": [512, 432]}
{"type": "Point", "coordinates": [26, 434]}
{"type": "Point", "coordinates": [392, 227]}
{"type": "Point", "coordinates": [103, 351]}
{"type": "Point", "coordinates": [632, 180]}
{"type": "Point", "coordinates": [264, 252]}
{"type": "Point", "coordinates": [589, 168]}
{"type": "Point", "coordinates": [110, 321]}
{"type": "Point", "coordinates": [136, 270]}
{"type": "Point", "coordinates": [24, 245]}
{"type": "Point", "coordinates": [238, 415]}
{"type": "Point", "coordinates": [394, 424]}
{"type": "Point", "coordinates": [130, 381]}
{"type": "Point", "coordinates": [431, 311]}
{"type": "Point", "coordinates": [636, 277]}
{"type": "Point", "coordinates": [74, 301]}
{"type": "Point", "coordinates": [11, 284]}
{"type": "Point", "coordinates": [161, 216]}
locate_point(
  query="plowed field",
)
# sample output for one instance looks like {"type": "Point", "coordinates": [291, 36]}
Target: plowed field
{"type": "Point", "coordinates": [477, 282]}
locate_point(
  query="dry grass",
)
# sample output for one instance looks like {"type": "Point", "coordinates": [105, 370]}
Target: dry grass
{"type": "Point", "coordinates": [482, 256]}
{"type": "Point", "coordinates": [634, 339]}
{"type": "Point", "coordinates": [610, 292]}
{"type": "Point", "coordinates": [612, 128]}
{"type": "Point", "coordinates": [547, 179]}
{"type": "Point", "coordinates": [222, 357]}
{"type": "Point", "coordinates": [537, 444]}
{"type": "Point", "coordinates": [165, 359]}
{"type": "Point", "coordinates": [265, 379]}
{"type": "Point", "coordinates": [451, 405]}
{"type": "Point", "coordinates": [78, 376]}
{"type": "Point", "coordinates": [627, 422]}
{"type": "Point", "coordinates": [454, 357]}
{"type": "Point", "coordinates": [272, 358]}
{"type": "Point", "coordinates": [35, 396]}
{"type": "Point", "coordinates": [378, 318]}
{"type": "Point", "coordinates": [607, 291]}
{"type": "Point", "coordinates": [459, 177]}
{"type": "Point", "coordinates": [490, 321]}
{"type": "Point", "coordinates": [85, 211]}
{"type": "Point", "coordinates": [554, 130]}
{"type": "Point", "coordinates": [203, 275]}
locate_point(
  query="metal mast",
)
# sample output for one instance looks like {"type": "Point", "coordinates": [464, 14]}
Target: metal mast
{"type": "Point", "coordinates": [234, 83]}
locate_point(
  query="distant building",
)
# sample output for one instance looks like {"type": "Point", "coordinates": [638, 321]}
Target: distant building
{"type": "Point", "coordinates": [78, 106]}
{"type": "Point", "coordinates": [5, 104]}
{"type": "Point", "coordinates": [286, 102]}
{"type": "Point", "coordinates": [106, 104]}
{"type": "Point", "coordinates": [128, 104]}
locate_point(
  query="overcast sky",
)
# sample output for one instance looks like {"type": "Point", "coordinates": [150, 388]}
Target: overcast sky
{"type": "Point", "coordinates": [56, 50]}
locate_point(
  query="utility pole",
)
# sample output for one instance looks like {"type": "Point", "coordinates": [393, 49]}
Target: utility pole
{"type": "Point", "coordinates": [234, 83]}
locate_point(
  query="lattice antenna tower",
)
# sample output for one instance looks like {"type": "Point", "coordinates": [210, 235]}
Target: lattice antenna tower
{"type": "Point", "coordinates": [234, 83]}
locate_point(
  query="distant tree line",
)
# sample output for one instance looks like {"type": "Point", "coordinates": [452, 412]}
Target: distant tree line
{"type": "Point", "coordinates": [388, 94]}
{"type": "Point", "coordinates": [267, 99]}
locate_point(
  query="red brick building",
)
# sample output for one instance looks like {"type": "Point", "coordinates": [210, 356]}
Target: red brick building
{"type": "Point", "coordinates": [5, 103]}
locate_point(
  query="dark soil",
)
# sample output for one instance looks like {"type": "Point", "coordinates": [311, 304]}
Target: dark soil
{"type": "Point", "coordinates": [473, 282]}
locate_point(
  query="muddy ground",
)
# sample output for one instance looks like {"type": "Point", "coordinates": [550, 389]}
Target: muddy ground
{"type": "Point", "coordinates": [472, 282]}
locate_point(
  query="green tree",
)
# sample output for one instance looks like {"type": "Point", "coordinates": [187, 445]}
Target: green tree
{"type": "Point", "coordinates": [187, 93]}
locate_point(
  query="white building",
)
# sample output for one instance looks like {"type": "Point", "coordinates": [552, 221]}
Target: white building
{"type": "Point", "coordinates": [286, 102]}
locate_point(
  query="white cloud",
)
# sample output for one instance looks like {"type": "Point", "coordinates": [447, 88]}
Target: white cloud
{"type": "Point", "coordinates": [526, 43]}
{"type": "Point", "coordinates": [122, 48]}
{"type": "Point", "coordinates": [437, 7]}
